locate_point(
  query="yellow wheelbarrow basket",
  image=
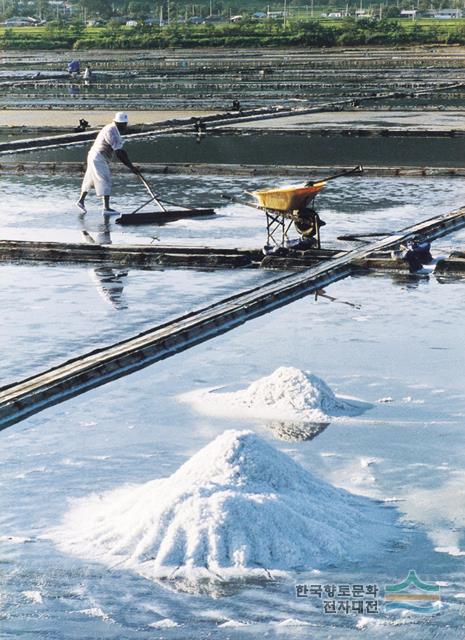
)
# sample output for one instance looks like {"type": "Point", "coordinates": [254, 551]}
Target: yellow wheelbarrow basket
{"type": "Point", "coordinates": [288, 198]}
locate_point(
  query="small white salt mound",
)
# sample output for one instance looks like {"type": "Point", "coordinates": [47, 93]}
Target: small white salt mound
{"type": "Point", "coordinates": [294, 622]}
{"type": "Point", "coordinates": [287, 394]}
{"type": "Point", "coordinates": [232, 623]}
{"type": "Point", "coordinates": [95, 612]}
{"type": "Point", "coordinates": [237, 508]}
{"type": "Point", "coordinates": [166, 623]}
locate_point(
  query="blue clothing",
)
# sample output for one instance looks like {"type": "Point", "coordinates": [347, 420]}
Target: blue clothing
{"type": "Point", "coordinates": [73, 66]}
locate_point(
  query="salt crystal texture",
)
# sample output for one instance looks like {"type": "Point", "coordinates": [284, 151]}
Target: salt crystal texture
{"type": "Point", "coordinates": [237, 508]}
{"type": "Point", "coordinates": [287, 394]}
{"type": "Point", "coordinates": [34, 596]}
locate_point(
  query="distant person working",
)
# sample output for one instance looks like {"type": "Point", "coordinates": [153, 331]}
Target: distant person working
{"type": "Point", "coordinates": [98, 169]}
{"type": "Point", "coordinates": [87, 76]}
{"type": "Point", "coordinates": [74, 67]}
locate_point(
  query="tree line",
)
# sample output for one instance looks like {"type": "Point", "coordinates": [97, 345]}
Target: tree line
{"type": "Point", "coordinates": [81, 10]}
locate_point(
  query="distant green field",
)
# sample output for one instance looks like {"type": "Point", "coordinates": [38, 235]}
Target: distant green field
{"type": "Point", "coordinates": [434, 22]}
{"type": "Point", "coordinates": [406, 24]}
{"type": "Point", "coordinates": [26, 31]}
{"type": "Point", "coordinates": [323, 32]}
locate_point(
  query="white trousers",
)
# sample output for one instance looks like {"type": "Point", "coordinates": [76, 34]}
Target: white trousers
{"type": "Point", "coordinates": [97, 174]}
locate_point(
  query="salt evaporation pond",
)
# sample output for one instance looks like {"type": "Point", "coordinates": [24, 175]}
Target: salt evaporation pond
{"type": "Point", "coordinates": [257, 77]}
{"type": "Point", "coordinates": [41, 207]}
{"type": "Point", "coordinates": [404, 343]}
{"type": "Point", "coordinates": [134, 430]}
{"type": "Point", "coordinates": [277, 148]}
{"type": "Point", "coordinates": [108, 304]}
{"type": "Point", "coordinates": [70, 310]}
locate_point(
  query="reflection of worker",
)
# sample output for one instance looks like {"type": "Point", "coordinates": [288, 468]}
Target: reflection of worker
{"type": "Point", "coordinates": [109, 282]}
{"type": "Point", "coordinates": [73, 90]}
{"type": "Point", "coordinates": [110, 286]}
{"type": "Point", "coordinates": [98, 169]}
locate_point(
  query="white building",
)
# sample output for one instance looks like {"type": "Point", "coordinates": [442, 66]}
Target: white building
{"type": "Point", "coordinates": [409, 13]}
{"type": "Point", "coordinates": [448, 14]}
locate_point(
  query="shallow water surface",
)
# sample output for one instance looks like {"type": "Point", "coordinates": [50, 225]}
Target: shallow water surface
{"type": "Point", "coordinates": [277, 148]}
{"type": "Point", "coordinates": [402, 351]}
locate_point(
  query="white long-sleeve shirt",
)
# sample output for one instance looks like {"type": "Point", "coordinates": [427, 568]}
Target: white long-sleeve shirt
{"type": "Point", "coordinates": [108, 140]}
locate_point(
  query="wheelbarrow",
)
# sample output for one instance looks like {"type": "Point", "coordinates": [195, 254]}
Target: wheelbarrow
{"type": "Point", "coordinates": [291, 205]}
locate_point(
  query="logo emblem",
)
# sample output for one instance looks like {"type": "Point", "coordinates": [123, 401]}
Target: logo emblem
{"type": "Point", "coordinates": [412, 594]}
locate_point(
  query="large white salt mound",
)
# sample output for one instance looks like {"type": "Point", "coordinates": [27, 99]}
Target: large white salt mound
{"type": "Point", "coordinates": [238, 507]}
{"type": "Point", "coordinates": [287, 394]}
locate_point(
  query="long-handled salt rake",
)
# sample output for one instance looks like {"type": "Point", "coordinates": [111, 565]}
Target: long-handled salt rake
{"type": "Point", "coordinates": [162, 216]}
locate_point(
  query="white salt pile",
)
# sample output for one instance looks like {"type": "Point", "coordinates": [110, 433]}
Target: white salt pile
{"type": "Point", "coordinates": [288, 394]}
{"type": "Point", "coordinates": [237, 508]}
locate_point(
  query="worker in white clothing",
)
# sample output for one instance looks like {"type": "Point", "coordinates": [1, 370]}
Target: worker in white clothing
{"type": "Point", "coordinates": [98, 174]}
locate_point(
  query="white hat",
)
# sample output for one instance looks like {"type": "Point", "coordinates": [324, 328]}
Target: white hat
{"type": "Point", "coordinates": [121, 117]}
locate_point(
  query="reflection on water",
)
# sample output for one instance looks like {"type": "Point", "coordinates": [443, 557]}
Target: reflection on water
{"type": "Point", "coordinates": [296, 431]}
{"type": "Point", "coordinates": [110, 285]}
{"type": "Point", "coordinates": [410, 281]}
{"type": "Point", "coordinates": [108, 281]}
{"type": "Point", "coordinates": [217, 586]}
{"type": "Point", "coordinates": [449, 278]}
